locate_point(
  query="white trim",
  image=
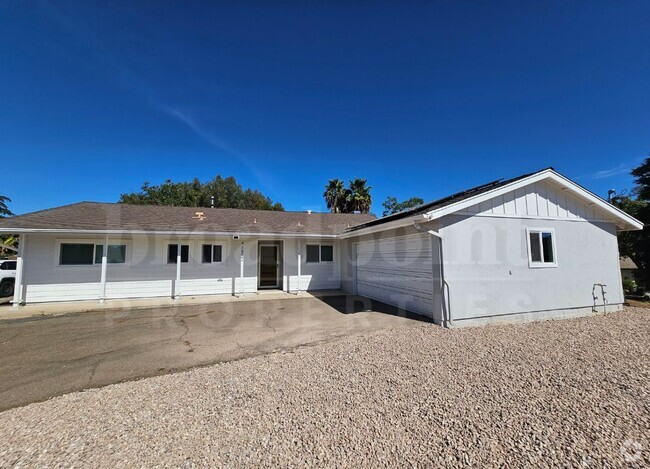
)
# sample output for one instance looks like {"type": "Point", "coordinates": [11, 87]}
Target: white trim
{"type": "Point", "coordinates": [212, 261]}
{"type": "Point", "coordinates": [383, 226]}
{"type": "Point", "coordinates": [177, 286]}
{"type": "Point", "coordinates": [530, 217]}
{"type": "Point", "coordinates": [166, 233]}
{"type": "Point", "coordinates": [20, 272]}
{"type": "Point", "coordinates": [102, 281]}
{"type": "Point", "coordinates": [95, 242]}
{"type": "Point", "coordinates": [632, 223]}
{"type": "Point", "coordinates": [259, 264]}
{"type": "Point", "coordinates": [542, 264]}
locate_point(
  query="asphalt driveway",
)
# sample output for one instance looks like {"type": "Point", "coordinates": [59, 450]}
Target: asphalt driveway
{"type": "Point", "coordinates": [42, 358]}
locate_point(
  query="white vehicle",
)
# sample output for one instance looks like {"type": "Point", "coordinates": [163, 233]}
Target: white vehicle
{"type": "Point", "coordinates": [7, 278]}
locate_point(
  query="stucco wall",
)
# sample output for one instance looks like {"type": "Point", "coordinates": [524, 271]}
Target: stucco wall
{"type": "Point", "coordinates": [486, 265]}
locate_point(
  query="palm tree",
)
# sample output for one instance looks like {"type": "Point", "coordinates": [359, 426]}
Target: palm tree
{"type": "Point", "coordinates": [359, 198]}
{"type": "Point", "coordinates": [335, 196]}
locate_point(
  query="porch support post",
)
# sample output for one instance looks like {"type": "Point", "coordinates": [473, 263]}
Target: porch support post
{"type": "Point", "coordinates": [299, 262]}
{"type": "Point", "coordinates": [177, 287]}
{"type": "Point", "coordinates": [20, 268]}
{"type": "Point", "coordinates": [102, 281]}
{"type": "Point", "coordinates": [241, 270]}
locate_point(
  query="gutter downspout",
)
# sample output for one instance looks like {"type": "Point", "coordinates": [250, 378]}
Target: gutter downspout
{"type": "Point", "coordinates": [446, 319]}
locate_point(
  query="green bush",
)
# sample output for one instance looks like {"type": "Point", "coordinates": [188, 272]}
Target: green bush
{"type": "Point", "coordinates": [629, 285]}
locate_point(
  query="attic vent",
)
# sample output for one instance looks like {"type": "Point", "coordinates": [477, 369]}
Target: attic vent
{"type": "Point", "coordinates": [199, 216]}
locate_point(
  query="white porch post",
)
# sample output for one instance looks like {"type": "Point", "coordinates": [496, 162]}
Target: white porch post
{"type": "Point", "coordinates": [299, 262]}
{"type": "Point", "coordinates": [241, 270]}
{"type": "Point", "coordinates": [102, 281]}
{"type": "Point", "coordinates": [20, 267]}
{"type": "Point", "coordinates": [177, 289]}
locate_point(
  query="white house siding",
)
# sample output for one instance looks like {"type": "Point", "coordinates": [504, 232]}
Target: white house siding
{"type": "Point", "coordinates": [313, 276]}
{"type": "Point", "coordinates": [147, 273]}
{"type": "Point", "coordinates": [487, 270]}
{"type": "Point", "coordinates": [543, 199]}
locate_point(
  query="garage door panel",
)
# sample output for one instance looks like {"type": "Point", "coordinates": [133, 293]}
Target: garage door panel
{"type": "Point", "coordinates": [397, 271]}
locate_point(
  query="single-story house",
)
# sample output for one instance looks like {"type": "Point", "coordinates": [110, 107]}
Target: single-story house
{"type": "Point", "coordinates": [628, 268]}
{"type": "Point", "coordinates": [535, 246]}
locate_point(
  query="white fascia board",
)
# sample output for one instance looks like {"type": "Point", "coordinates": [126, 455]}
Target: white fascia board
{"type": "Point", "coordinates": [160, 233]}
{"type": "Point", "coordinates": [384, 226]}
{"type": "Point", "coordinates": [631, 222]}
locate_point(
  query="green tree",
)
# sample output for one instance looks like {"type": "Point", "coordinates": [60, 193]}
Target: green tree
{"type": "Point", "coordinates": [4, 210]}
{"type": "Point", "coordinates": [227, 193]}
{"type": "Point", "coordinates": [359, 198]}
{"type": "Point", "coordinates": [335, 196]}
{"type": "Point", "coordinates": [636, 244]}
{"type": "Point", "coordinates": [392, 205]}
{"type": "Point", "coordinates": [7, 239]}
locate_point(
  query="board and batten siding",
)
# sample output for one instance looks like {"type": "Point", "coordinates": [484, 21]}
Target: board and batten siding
{"type": "Point", "coordinates": [146, 274]}
{"type": "Point", "coordinates": [543, 199]}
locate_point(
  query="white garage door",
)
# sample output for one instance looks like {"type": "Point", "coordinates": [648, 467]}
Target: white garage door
{"type": "Point", "coordinates": [397, 271]}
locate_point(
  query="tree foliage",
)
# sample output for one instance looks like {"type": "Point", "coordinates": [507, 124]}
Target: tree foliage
{"type": "Point", "coordinates": [7, 239]}
{"type": "Point", "coordinates": [636, 244]}
{"type": "Point", "coordinates": [227, 193]}
{"type": "Point", "coordinates": [4, 210]}
{"type": "Point", "coordinates": [356, 197]}
{"type": "Point", "coordinates": [392, 205]}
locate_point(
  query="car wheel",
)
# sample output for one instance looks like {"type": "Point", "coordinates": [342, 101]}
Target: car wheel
{"type": "Point", "coordinates": [7, 288]}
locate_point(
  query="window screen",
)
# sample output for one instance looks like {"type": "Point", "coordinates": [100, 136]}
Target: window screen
{"type": "Point", "coordinates": [172, 253]}
{"type": "Point", "coordinates": [76, 254]}
{"type": "Point", "coordinates": [313, 253]}
{"type": "Point", "coordinates": [326, 253]}
{"type": "Point", "coordinates": [116, 253]}
{"type": "Point", "coordinates": [211, 253]}
{"type": "Point", "coordinates": [535, 248]}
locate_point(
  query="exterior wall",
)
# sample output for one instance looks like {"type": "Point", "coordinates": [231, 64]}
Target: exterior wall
{"type": "Point", "coordinates": [147, 273]}
{"type": "Point", "coordinates": [486, 266]}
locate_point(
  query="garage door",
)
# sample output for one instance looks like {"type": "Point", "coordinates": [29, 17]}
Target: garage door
{"type": "Point", "coordinates": [397, 271]}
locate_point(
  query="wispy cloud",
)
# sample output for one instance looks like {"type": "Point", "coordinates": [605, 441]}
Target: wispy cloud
{"type": "Point", "coordinates": [623, 168]}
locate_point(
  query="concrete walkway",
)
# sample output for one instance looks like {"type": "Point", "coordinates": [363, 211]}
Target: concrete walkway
{"type": "Point", "coordinates": [49, 356]}
{"type": "Point", "coordinates": [7, 311]}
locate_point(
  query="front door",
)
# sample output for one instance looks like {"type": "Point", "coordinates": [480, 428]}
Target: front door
{"type": "Point", "coordinates": [269, 266]}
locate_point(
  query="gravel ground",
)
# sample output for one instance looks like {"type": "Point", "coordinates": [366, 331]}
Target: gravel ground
{"type": "Point", "coordinates": [557, 393]}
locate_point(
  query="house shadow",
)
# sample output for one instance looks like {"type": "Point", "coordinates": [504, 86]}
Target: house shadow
{"type": "Point", "coordinates": [352, 304]}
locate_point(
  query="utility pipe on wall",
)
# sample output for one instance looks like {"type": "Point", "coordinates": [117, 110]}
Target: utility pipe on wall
{"type": "Point", "coordinates": [446, 319]}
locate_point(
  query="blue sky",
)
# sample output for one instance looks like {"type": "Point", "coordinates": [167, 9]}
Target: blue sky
{"type": "Point", "coordinates": [423, 99]}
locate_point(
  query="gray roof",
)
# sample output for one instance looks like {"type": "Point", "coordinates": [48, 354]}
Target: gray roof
{"type": "Point", "coordinates": [95, 216]}
{"type": "Point", "coordinates": [451, 199]}
{"type": "Point", "coordinates": [627, 263]}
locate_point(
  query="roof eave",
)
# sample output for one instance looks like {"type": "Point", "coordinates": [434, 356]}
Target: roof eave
{"type": "Point", "coordinates": [65, 231]}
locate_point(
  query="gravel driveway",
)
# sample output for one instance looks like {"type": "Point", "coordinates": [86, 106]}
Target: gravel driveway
{"type": "Point", "coordinates": [569, 393]}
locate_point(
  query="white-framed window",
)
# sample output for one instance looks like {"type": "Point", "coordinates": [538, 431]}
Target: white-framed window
{"type": "Point", "coordinates": [79, 253]}
{"type": "Point", "coordinates": [541, 247]}
{"type": "Point", "coordinates": [172, 253]}
{"type": "Point", "coordinates": [211, 253]}
{"type": "Point", "coordinates": [319, 253]}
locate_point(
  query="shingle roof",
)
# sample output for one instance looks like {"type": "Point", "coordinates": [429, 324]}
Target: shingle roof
{"type": "Point", "coordinates": [451, 199]}
{"type": "Point", "coordinates": [94, 216]}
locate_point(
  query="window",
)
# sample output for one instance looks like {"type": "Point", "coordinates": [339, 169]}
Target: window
{"type": "Point", "coordinates": [76, 254]}
{"type": "Point", "coordinates": [541, 246]}
{"type": "Point", "coordinates": [320, 253]}
{"type": "Point", "coordinates": [116, 253]}
{"type": "Point", "coordinates": [327, 253]}
{"type": "Point", "coordinates": [211, 253]}
{"type": "Point", "coordinates": [8, 265]}
{"type": "Point", "coordinates": [172, 253]}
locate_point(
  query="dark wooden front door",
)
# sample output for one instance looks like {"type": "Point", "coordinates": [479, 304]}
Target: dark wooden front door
{"type": "Point", "coordinates": [269, 266]}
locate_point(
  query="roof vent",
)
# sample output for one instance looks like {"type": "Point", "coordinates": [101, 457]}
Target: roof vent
{"type": "Point", "coordinates": [199, 216]}
{"type": "Point", "coordinates": [254, 220]}
{"type": "Point", "coordinates": [299, 223]}
{"type": "Point", "coordinates": [308, 212]}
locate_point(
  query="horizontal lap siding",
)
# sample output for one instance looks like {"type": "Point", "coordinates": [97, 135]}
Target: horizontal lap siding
{"type": "Point", "coordinates": [397, 271]}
